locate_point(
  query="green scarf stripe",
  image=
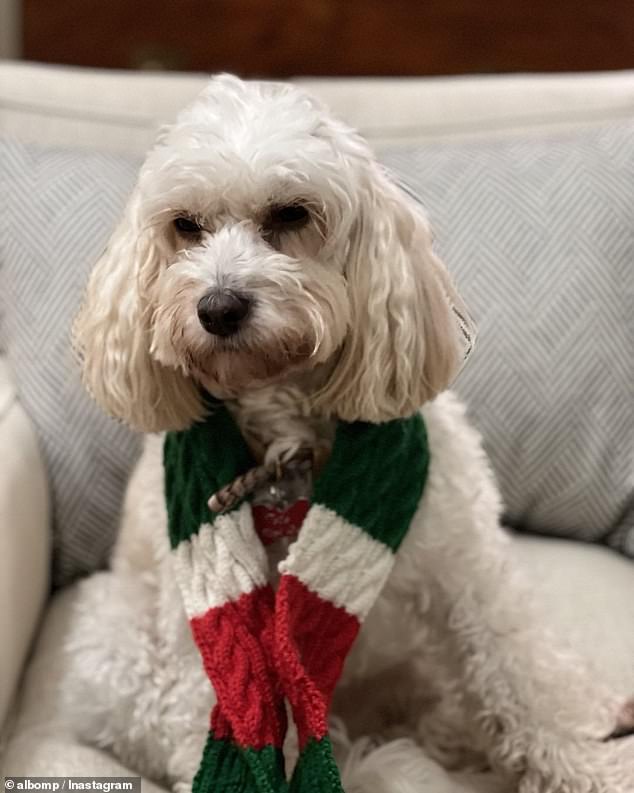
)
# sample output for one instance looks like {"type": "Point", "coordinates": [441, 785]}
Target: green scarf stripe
{"type": "Point", "coordinates": [388, 462]}
{"type": "Point", "coordinates": [316, 770]}
{"type": "Point", "coordinates": [375, 476]}
{"type": "Point", "coordinates": [197, 463]}
{"type": "Point", "coordinates": [228, 768]}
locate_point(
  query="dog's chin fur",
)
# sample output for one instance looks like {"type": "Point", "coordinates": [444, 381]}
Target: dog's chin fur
{"type": "Point", "coordinates": [352, 317]}
{"type": "Point", "coordinates": [230, 375]}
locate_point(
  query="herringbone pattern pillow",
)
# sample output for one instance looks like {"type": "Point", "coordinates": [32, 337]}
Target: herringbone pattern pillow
{"type": "Point", "coordinates": [540, 236]}
{"type": "Point", "coordinates": [57, 209]}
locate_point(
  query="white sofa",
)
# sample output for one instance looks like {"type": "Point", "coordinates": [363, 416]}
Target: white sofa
{"type": "Point", "coordinates": [587, 590]}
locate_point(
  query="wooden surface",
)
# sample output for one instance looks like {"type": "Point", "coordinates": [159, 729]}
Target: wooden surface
{"type": "Point", "coordinates": [333, 37]}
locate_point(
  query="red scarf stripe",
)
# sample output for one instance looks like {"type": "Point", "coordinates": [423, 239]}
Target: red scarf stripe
{"type": "Point", "coordinates": [339, 561]}
{"type": "Point", "coordinates": [220, 562]}
{"type": "Point", "coordinates": [312, 639]}
{"type": "Point", "coordinates": [236, 644]}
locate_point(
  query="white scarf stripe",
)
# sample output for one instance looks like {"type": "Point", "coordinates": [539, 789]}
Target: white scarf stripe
{"type": "Point", "coordinates": [339, 561]}
{"type": "Point", "coordinates": [220, 563]}
{"type": "Point", "coordinates": [333, 558]}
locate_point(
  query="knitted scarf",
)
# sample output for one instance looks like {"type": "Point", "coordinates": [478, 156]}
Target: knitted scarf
{"type": "Point", "coordinates": [261, 647]}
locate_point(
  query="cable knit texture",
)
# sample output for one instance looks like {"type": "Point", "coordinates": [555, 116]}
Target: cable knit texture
{"type": "Point", "coordinates": [198, 462]}
{"type": "Point", "coordinates": [375, 476]}
{"type": "Point", "coordinates": [260, 647]}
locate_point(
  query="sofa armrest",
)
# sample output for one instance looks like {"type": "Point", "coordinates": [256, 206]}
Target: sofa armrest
{"type": "Point", "coordinates": [25, 543]}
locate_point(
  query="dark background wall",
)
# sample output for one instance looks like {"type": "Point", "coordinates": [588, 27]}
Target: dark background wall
{"type": "Point", "coordinates": [282, 38]}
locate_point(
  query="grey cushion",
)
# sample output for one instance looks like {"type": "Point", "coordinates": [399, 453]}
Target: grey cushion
{"type": "Point", "coordinates": [57, 210]}
{"type": "Point", "coordinates": [540, 236]}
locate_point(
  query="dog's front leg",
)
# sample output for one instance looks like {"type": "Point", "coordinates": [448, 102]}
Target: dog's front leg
{"type": "Point", "coordinates": [539, 710]}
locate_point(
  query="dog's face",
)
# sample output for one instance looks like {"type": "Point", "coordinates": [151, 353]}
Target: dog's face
{"type": "Point", "coordinates": [263, 239]}
{"type": "Point", "coordinates": [249, 206]}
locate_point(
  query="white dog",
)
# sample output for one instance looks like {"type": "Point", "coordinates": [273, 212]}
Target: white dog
{"type": "Point", "coordinates": [266, 257]}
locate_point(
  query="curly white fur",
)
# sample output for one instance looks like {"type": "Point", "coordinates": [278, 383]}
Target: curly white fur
{"type": "Point", "coordinates": [453, 684]}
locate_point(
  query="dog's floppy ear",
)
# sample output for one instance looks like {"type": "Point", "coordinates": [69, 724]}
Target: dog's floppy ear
{"type": "Point", "coordinates": [410, 332]}
{"type": "Point", "coordinates": [112, 335]}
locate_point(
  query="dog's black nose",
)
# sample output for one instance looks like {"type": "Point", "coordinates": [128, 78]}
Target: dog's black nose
{"type": "Point", "coordinates": [221, 313]}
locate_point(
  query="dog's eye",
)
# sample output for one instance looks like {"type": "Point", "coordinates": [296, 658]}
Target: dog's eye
{"type": "Point", "coordinates": [187, 226]}
{"type": "Point", "coordinates": [287, 217]}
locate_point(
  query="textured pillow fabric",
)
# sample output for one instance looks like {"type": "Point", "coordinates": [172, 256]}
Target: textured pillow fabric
{"type": "Point", "coordinates": [57, 209]}
{"type": "Point", "coordinates": [539, 234]}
